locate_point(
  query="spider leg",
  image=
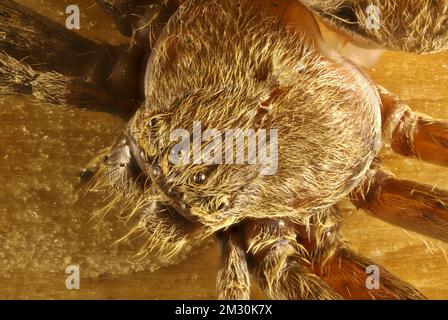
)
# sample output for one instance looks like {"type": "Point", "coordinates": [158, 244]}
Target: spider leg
{"type": "Point", "coordinates": [164, 238]}
{"type": "Point", "coordinates": [417, 207]}
{"type": "Point", "coordinates": [44, 59]}
{"type": "Point", "coordinates": [414, 26]}
{"type": "Point", "coordinates": [233, 277]}
{"type": "Point", "coordinates": [348, 274]}
{"type": "Point", "coordinates": [124, 12]}
{"type": "Point", "coordinates": [142, 20]}
{"type": "Point", "coordinates": [16, 77]}
{"type": "Point", "coordinates": [342, 268]}
{"type": "Point", "coordinates": [280, 264]}
{"type": "Point", "coordinates": [411, 134]}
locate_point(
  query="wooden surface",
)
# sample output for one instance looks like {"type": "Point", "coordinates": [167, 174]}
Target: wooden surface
{"type": "Point", "coordinates": [46, 225]}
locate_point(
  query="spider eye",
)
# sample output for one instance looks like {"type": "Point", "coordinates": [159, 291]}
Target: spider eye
{"type": "Point", "coordinates": [154, 122]}
{"type": "Point", "coordinates": [156, 171]}
{"type": "Point", "coordinates": [199, 178]}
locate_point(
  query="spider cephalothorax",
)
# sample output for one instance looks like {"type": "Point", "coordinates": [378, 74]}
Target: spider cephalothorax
{"type": "Point", "coordinates": [326, 142]}
{"type": "Point", "coordinates": [264, 65]}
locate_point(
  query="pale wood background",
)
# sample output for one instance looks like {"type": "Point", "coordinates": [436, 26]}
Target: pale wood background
{"type": "Point", "coordinates": [45, 225]}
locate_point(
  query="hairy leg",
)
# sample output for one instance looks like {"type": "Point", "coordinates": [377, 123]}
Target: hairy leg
{"type": "Point", "coordinates": [16, 77]}
{"type": "Point", "coordinates": [280, 264]}
{"type": "Point", "coordinates": [41, 49]}
{"type": "Point", "coordinates": [141, 19]}
{"type": "Point", "coordinates": [412, 134]}
{"type": "Point", "coordinates": [348, 274]}
{"type": "Point", "coordinates": [413, 25]}
{"type": "Point", "coordinates": [233, 277]}
{"type": "Point", "coordinates": [162, 237]}
{"type": "Point", "coordinates": [342, 268]}
{"type": "Point", "coordinates": [125, 12]}
{"type": "Point", "coordinates": [417, 207]}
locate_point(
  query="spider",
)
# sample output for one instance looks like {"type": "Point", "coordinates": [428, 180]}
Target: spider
{"type": "Point", "coordinates": [250, 64]}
